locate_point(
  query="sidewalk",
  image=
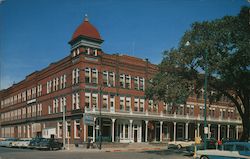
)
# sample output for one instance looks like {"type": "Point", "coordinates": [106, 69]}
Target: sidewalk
{"type": "Point", "coordinates": [81, 149]}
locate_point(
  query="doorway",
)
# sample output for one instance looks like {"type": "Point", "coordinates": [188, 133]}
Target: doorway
{"type": "Point", "coordinates": [135, 135]}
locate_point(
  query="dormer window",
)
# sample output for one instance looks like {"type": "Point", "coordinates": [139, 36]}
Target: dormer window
{"type": "Point", "coordinates": [95, 52]}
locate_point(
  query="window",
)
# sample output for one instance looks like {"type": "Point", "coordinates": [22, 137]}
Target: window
{"type": "Point", "coordinates": [111, 79]}
{"type": "Point", "coordinates": [49, 110]}
{"type": "Point", "coordinates": [87, 75]}
{"type": "Point", "coordinates": [23, 113]}
{"type": "Point", "coordinates": [57, 83]}
{"type": "Point", "coordinates": [180, 110]}
{"type": "Point", "coordinates": [39, 110]}
{"type": "Point", "coordinates": [19, 98]}
{"type": "Point", "coordinates": [122, 80]}
{"type": "Point", "coordinates": [94, 101]}
{"type": "Point", "coordinates": [39, 90]}
{"type": "Point", "coordinates": [128, 81]}
{"type": "Point", "coordinates": [68, 129]}
{"type": "Point", "coordinates": [29, 112]}
{"type": "Point", "coordinates": [105, 78]}
{"type": "Point", "coordinates": [105, 101]}
{"type": "Point", "coordinates": [136, 104]}
{"type": "Point", "coordinates": [33, 110]}
{"type": "Point", "coordinates": [62, 103]}
{"type": "Point", "coordinates": [28, 94]}
{"type": "Point", "coordinates": [141, 105]}
{"type": "Point", "coordinates": [122, 103]}
{"type": "Point", "coordinates": [95, 52]}
{"type": "Point", "coordinates": [87, 100]}
{"type": "Point", "coordinates": [94, 76]}
{"type": "Point", "coordinates": [112, 102]}
{"type": "Point", "coordinates": [49, 86]}
{"type": "Point", "coordinates": [88, 51]}
{"type": "Point", "coordinates": [136, 83]}
{"type": "Point", "coordinates": [60, 130]}
{"type": "Point", "coordinates": [141, 84]}
{"type": "Point", "coordinates": [77, 51]}
{"type": "Point", "coordinates": [54, 84]}
{"type": "Point", "coordinates": [211, 112]}
{"type": "Point", "coordinates": [77, 129]}
{"type": "Point", "coordinates": [33, 92]}
{"type": "Point", "coordinates": [75, 76]}
{"type": "Point", "coordinates": [55, 105]}
{"type": "Point", "coordinates": [75, 101]}
{"type": "Point", "coordinates": [128, 103]}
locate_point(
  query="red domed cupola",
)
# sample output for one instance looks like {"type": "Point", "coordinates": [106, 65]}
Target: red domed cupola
{"type": "Point", "coordinates": [86, 33]}
{"type": "Point", "coordinates": [86, 29]}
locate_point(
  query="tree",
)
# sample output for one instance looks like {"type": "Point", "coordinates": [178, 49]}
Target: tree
{"type": "Point", "coordinates": [227, 44]}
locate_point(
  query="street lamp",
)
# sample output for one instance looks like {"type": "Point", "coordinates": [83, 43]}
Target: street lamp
{"type": "Point", "coordinates": [205, 98]}
{"type": "Point", "coordinates": [205, 104]}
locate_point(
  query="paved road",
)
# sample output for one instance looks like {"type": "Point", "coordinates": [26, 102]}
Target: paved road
{"type": "Point", "coordinates": [12, 153]}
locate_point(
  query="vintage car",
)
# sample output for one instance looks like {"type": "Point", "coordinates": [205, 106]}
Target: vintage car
{"type": "Point", "coordinates": [239, 150]}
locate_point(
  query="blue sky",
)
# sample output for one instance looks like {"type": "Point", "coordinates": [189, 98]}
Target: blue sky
{"type": "Point", "coordinates": [34, 33]}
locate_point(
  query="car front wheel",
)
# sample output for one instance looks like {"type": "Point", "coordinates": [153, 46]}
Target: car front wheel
{"type": "Point", "coordinates": [204, 157]}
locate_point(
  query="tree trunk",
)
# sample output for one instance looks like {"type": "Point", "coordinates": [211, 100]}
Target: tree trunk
{"type": "Point", "coordinates": [246, 128]}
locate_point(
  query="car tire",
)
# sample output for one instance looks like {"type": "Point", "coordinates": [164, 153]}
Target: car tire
{"type": "Point", "coordinates": [204, 157]}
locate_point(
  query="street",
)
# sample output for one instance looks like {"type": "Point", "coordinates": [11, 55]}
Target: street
{"type": "Point", "coordinates": [13, 153]}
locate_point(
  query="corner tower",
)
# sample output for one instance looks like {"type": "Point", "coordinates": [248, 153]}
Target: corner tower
{"type": "Point", "coordinates": [86, 39]}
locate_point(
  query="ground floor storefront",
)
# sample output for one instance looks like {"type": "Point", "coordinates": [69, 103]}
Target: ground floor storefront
{"type": "Point", "coordinates": [119, 129]}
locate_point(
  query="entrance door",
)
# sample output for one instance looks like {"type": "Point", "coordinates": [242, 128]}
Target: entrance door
{"type": "Point", "coordinates": [135, 135]}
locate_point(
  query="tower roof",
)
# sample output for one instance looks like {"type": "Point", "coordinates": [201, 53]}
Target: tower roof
{"type": "Point", "coordinates": [86, 29]}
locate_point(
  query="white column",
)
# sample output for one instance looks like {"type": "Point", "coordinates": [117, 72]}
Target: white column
{"type": "Point", "coordinates": [113, 130]}
{"type": "Point", "coordinates": [209, 131]}
{"type": "Point", "coordinates": [186, 130]}
{"type": "Point", "coordinates": [161, 123]}
{"type": "Point", "coordinates": [94, 130]}
{"type": "Point", "coordinates": [84, 132]}
{"type": "Point", "coordinates": [218, 131]}
{"type": "Point", "coordinates": [174, 131]}
{"type": "Point", "coordinates": [228, 133]}
{"type": "Point", "coordinates": [131, 130]}
{"type": "Point", "coordinates": [237, 132]}
{"type": "Point", "coordinates": [146, 131]}
{"type": "Point", "coordinates": [198, 129]}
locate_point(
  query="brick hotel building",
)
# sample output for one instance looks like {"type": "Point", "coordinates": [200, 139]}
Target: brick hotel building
{"type": "Point", "coordinates": [88, 79]}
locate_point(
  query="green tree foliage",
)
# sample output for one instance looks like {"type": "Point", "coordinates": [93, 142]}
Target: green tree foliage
{"type": "Point", "coordinates": [227, 44]}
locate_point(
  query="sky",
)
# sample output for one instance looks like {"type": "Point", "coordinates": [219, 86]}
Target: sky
{"type": "Point", "coordinates": [35, 33]}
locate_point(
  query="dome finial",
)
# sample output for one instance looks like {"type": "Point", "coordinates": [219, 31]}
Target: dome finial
{"type": "Point", "coordinates": [86, 17]}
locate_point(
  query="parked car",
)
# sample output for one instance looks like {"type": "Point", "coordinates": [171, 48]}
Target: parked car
{"type": "Point", "coordinates": [34, 143]}
{"type": "Point", "coordinates": [211, 144]}
{"type": "Point", "coordinates": [180, 144]}
{"type": "Point", "coordinates": [50, 144]}
{"type": "Point", "coordinates": [229, 150]}
{"type": "Point", "coordinates": [7, 142]}
{"type": "Point", "coordinates": [24, 143]}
